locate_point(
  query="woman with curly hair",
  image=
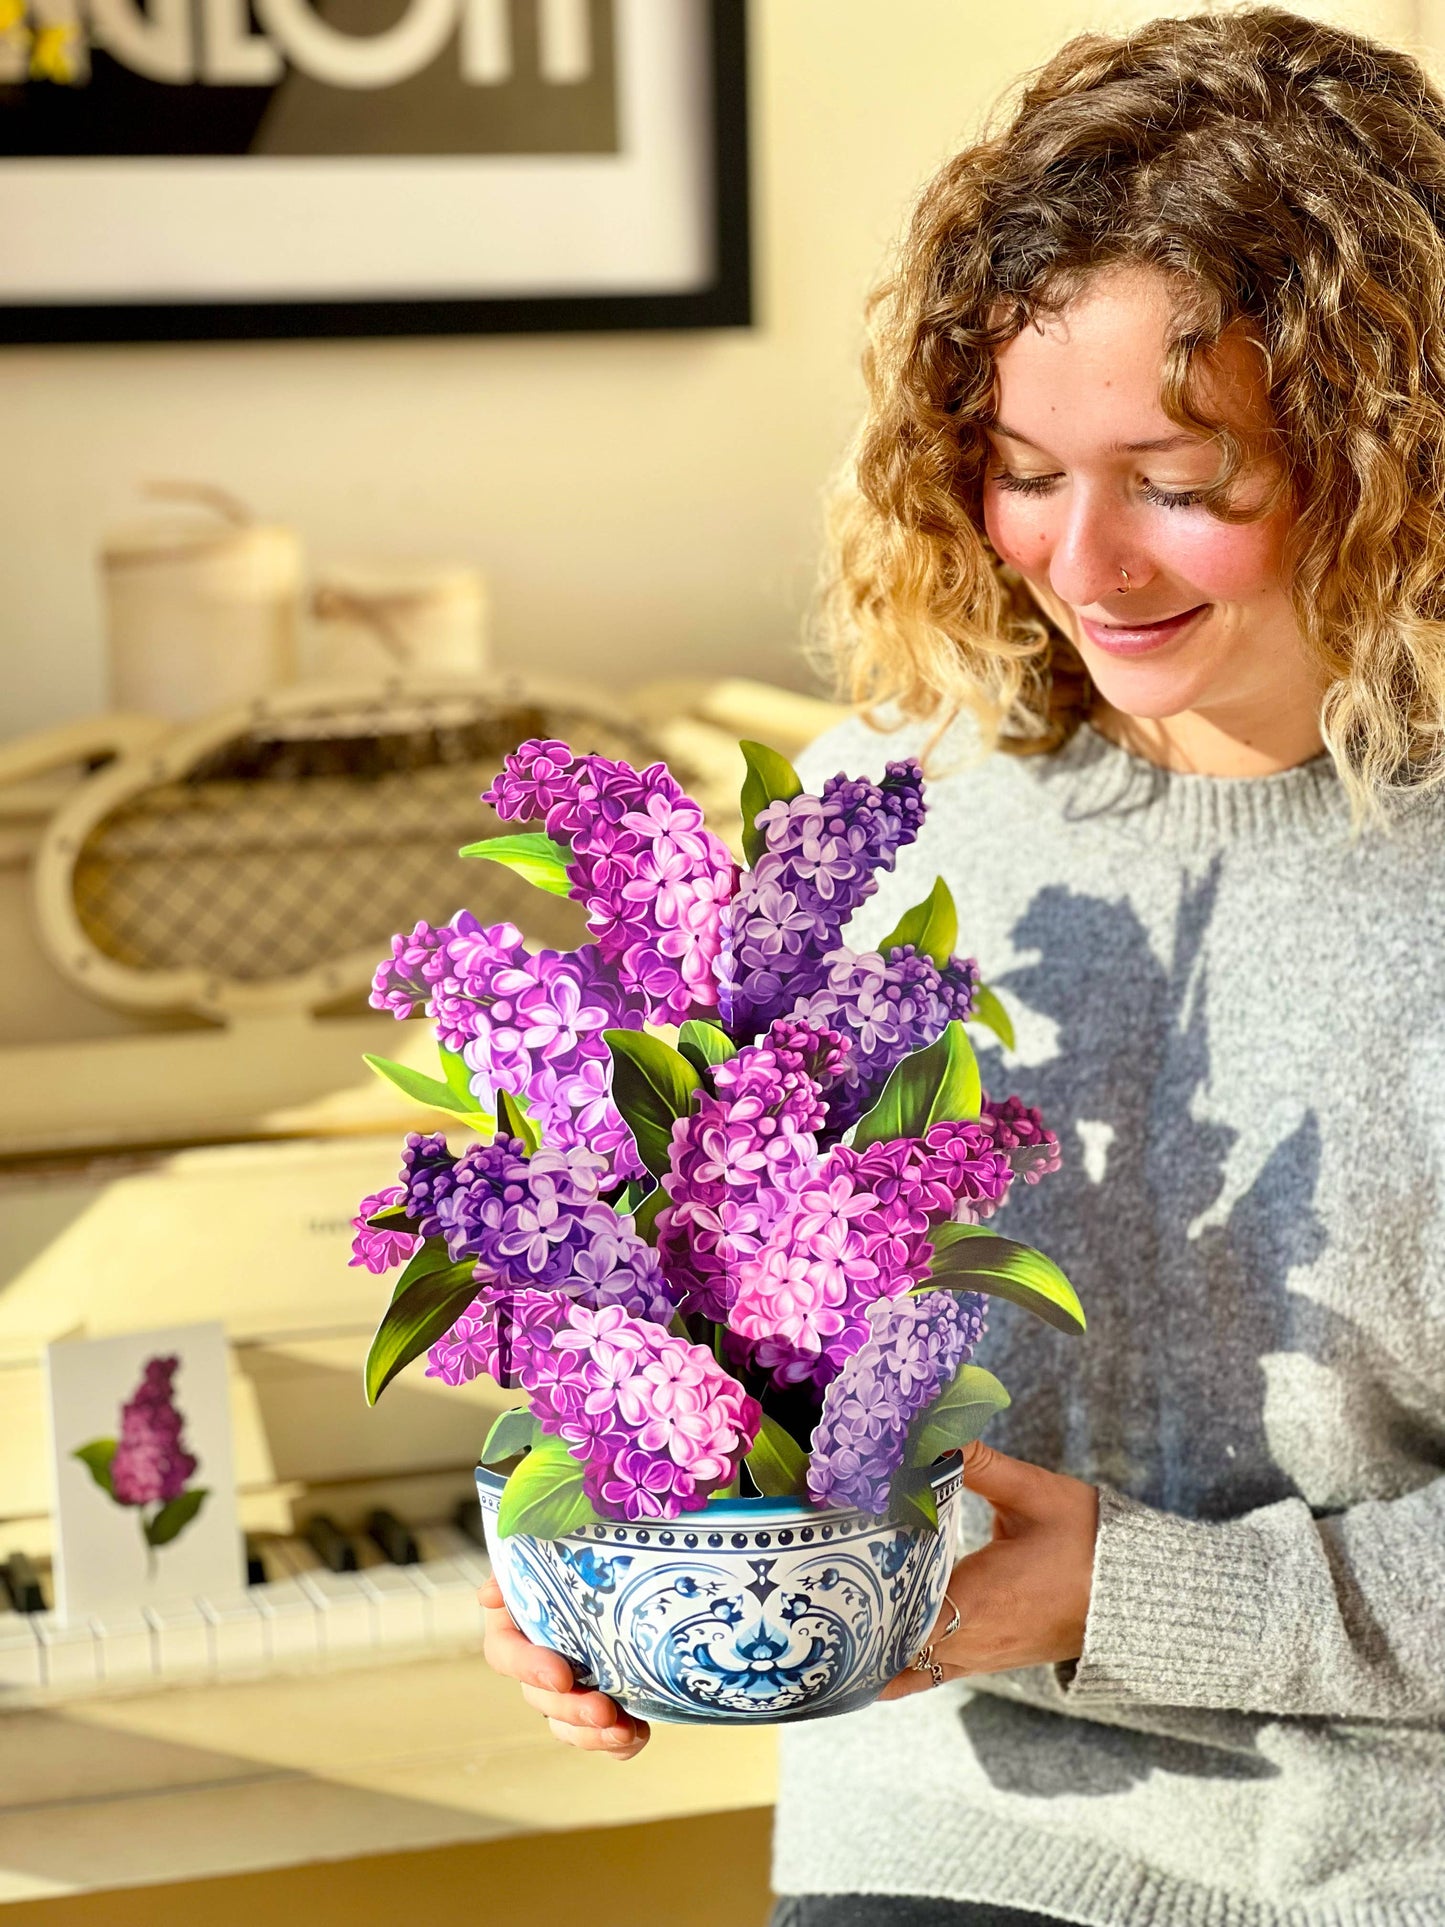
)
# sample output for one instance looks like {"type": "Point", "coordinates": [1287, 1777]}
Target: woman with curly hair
{"type": "Point", "coordinates": [1144, 544]}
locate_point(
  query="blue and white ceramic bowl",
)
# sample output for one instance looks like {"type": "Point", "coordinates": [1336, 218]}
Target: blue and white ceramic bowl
{"type": "Point", "coordinates": [752, 1610]}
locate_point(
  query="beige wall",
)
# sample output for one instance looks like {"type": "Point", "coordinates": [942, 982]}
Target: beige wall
{"type": "Point", "coordinates": [643, 505]}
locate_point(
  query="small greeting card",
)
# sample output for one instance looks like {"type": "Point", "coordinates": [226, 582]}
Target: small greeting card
{"type": "Point", "coordinates": [145, 1496]}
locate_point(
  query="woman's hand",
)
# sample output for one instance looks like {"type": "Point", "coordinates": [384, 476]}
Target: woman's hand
{"type": "Point", "coordinates": [1022, 1599]}
{"type": "Point", "coordinates": [589, 1720]}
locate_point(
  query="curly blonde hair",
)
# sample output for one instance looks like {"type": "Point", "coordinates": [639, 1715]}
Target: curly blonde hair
{"type": "Point", "coordinates": [1289, 178]}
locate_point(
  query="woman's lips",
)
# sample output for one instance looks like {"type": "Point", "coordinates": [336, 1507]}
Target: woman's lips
{"type": "Point", "coordinates": [1138, 639]}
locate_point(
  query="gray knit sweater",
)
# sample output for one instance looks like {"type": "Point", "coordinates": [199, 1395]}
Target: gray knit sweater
{"type": "Point", "coordinates": [1235, 1020]}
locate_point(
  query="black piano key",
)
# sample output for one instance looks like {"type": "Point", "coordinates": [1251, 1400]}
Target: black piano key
{"type": "Point", "coordinates": [256, 1574]}
{"type": "Point", "coordinates": [385, 1530]}
{"type": "Point", "coordinates": [468, 1519]}
{"type": "Point", "coordinates": [22, 1582]}
{"type": "Point", "coordinates": [330, 1543]}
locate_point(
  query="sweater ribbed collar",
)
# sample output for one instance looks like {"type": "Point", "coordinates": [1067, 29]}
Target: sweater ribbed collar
{"type": "Point", "coordinates": [1093, 779]}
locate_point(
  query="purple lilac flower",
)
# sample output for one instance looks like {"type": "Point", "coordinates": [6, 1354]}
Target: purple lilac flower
{"type": "Point", "coordinates": [524, 1023]}
{"type": "Point", "coordinates": [151, 1464]}
{"type": "Point", "coordinates": [913, 1349]}
{"type": "Point", "coordinates": [654, 1420]}
{"type": "Point", "coordinates": [426, 1178]}
{"type": "Point", "coordinates": [654, 879]}
{"type": "Point", "coordinates": [1019, 1131]}
{"type": "Point", "coordinates": [380, 1249]}
{"type": "Point", "coordinates": [539, 1221]}
{"type": "Point", "coordinates": [737, 1155]}
{"type": "Point", "coordinates": [887, 1008]}
{"type": "Point", "coordinates": [406, 978]}
{"type": "Point", "coordinates": [855, 1231]}
{"type": "Point", "coordinates": [822, 860]}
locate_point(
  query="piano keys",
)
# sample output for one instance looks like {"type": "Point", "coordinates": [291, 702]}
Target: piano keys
{"type": "Point", "coordinates": [303, 1617]}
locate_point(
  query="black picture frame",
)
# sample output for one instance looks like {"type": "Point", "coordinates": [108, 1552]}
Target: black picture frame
{"type": "Point", "coordinates": [726, 303]}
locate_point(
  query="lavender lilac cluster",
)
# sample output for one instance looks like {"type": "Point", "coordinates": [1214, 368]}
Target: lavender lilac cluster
{"type": "Point", "coordinates": [151, 1464]}
{"type": "Point", "coordinates": [887, 1007]}
{"type": "Point", "coordinates": [526, 1022]}
{"type": "Point", "coordinates": [654, 879]}
{"type": "Point", "coordinates": [656, 1423]}
{"type": "Point", "coordinates": [822, 858]}
{"type": "Point", "coordinates": [737, 1157]}
{"type": "Point", "coordinates": [913, 1349]}
{"type": "Point", "coordinates": [528, 1221]}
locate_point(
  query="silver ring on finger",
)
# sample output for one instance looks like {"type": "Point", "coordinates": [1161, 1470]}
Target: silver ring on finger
{"type": "Point", "coordinates": [922, 1660]}
{"type": "Point", "coordinates": [955, 1621]}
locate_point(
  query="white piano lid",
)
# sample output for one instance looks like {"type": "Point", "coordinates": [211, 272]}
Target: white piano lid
{"type": "Point", "coordinates": [257, 1235]}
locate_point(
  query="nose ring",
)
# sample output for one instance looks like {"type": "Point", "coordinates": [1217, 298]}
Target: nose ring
{"type": "Point", "coordinates": [1125, 573]}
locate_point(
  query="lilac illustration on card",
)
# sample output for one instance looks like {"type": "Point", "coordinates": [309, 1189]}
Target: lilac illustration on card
{"type": "Point", "coordinates": [148, 1467]}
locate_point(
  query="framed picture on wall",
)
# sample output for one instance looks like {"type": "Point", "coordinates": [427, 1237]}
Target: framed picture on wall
{"type": "Point", "coordinates": [220, 169]}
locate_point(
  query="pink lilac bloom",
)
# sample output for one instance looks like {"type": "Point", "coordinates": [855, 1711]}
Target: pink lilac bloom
{"type": "Point", "coordinates": [822, 859]}
{"type": "Point", "coordinates": [654, 879]}
{"type": "Point", "coordinates": [913, 1349]}
{"type": "Point", "coordinates": [854, 1232]}
{"type": "Point", "coordinates": [405, 978]}
{"type": "Point", "coordinates": [380, 1248]}
{"type": "Point", "coordinates": [802, 1301]}
{"type": "Point", "coordinates": [738, 1154]}
{"type": "Point", "coordinates": [887, 1008]}
{"type": "Point", "coordinates": [654, 1420]}
{"type": "Point", "coordinates": [151, 1464]}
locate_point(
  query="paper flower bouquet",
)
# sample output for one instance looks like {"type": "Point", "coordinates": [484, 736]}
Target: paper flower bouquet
{"type": "Point", "coordinates": [722, 1226]}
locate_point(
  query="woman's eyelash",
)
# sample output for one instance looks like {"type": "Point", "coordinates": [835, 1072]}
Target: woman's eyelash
{"type": "Point", "coordinates": [1042, 484]}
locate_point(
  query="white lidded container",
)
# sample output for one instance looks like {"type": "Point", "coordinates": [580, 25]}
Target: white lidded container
{"type": "Point", "coordinates": [429, 618]}
{"type": "Point", "coordinates": [202, 606]}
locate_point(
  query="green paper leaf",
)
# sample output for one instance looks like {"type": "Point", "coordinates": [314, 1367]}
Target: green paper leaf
{"type": "Point", "coordinates": [957, 1416]}
{"type": "Point", "coordinates": [544, 1496]}
{"type": "Point", "coordinates": [515, 1431]}
{"type": "Point", "coordinates": [939, 1082]}
{"type": "Point", "coordinates": [535, 858]}
{"type": "Point", "coordinates": [911, 1502]}
{"type": "Point", "coordinates": [770, 778]}
{"type": "Point", "coordinates": [430, 1091]}
{"type": "Point", "coordinates": [456, 1076]}
{"type": "Point", "coordinates": [968, 1258]}
{"type": "Point", "coordinates": [778, 1464]}
{"type": "Point", "coordinates": [96, 1458]}
{"type": "Point", "coordinates": [644, 1218]}
{"type": "Point", "coordinates": [704, 1045]}
{"type": "Point", "coordinates": [931, 926]}
{"type": "Point", "coordinates": [430, 1255]}
{"type": "Point", "coordinates": [392, 1218]}
{"type": "Point", "coordinates": [516, 1120]}
{"type": "Point", "coordinates": [172, 1519]}
{"type": "Point", "coordinates": [415, 1319]}
{"type": "Point", "coordinates": [652, 1086]}
{"type": "Point", "coordinates": [987, 1010]}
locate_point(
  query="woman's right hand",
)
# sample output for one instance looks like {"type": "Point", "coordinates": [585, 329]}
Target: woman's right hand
{"type": "Point", "coordinates": [586, 1719]}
